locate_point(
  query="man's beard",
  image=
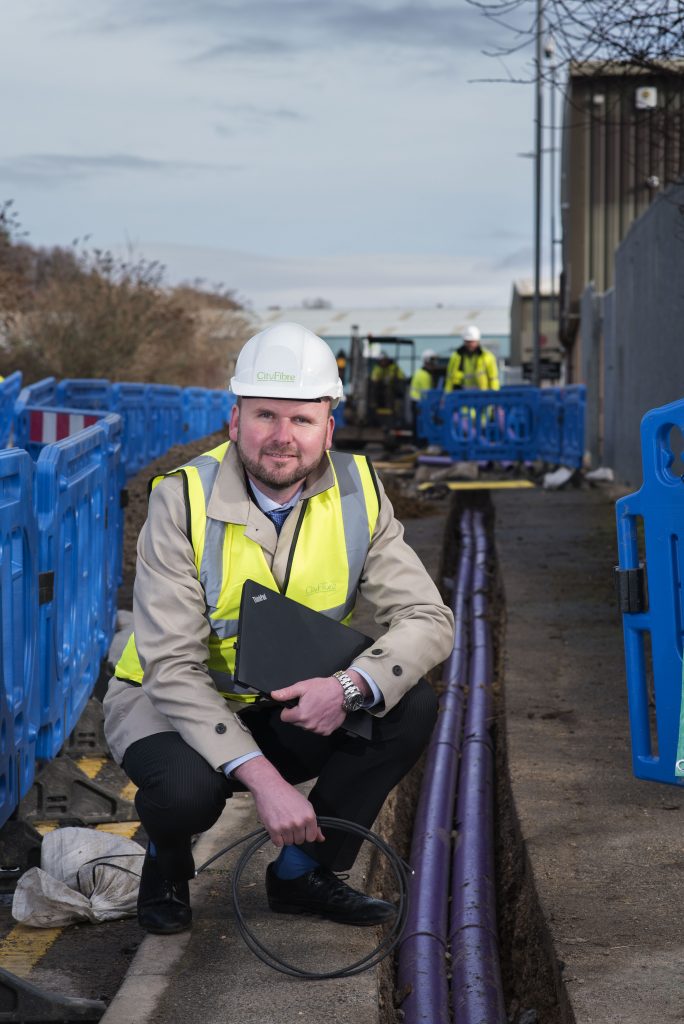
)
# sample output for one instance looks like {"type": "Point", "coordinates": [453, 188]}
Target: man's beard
{"type": "Point", "coordinates": [277, 480]}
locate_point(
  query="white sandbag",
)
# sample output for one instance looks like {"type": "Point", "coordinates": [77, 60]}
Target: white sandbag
{"type": "Point", "coordinates": [85, 875]}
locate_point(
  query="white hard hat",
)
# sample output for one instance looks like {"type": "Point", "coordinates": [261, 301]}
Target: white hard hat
{"type": "Point", "coordinates": [428, 354]}
{"type": "Point", "coordinates": [287, 361]}
{"type": "Point", "coordinates": [471, 333]}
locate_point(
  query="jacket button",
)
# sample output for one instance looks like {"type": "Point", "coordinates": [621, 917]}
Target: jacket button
{"type": "Point", "coordinates": [397, 670]}
{"type": "Point", "coordinates": [377, 650]}
{"type": "Point", "coordinates": [220, 728]}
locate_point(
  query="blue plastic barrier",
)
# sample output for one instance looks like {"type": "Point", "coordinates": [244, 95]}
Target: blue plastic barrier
{"type": "Point", "coordinates": [71, 498]}
{"type": "Point", "coordinates": [550, 425]}
{"type": "Point", "coordinates": [38, 426]}
{"type": "Point", "coordinates": [430, 423]}
{"type": "Point", "coordinates": [195, 413]}
{"type": "Point", "coordinates": [84, 393]}
{"type": "Point", "coordinates": [164, 418]}
{"type": "Point", "coordinates": [130, 401]}
{"type": "Point", "coordinates": [660, 505]}
{"type": "Point", "coordinates": [473, 425]}
{"type": "Point", "coordinates": [19, 584]}
{"type": "Point", "coordinates": [9, 392]}
{"type": "Point", "coordinates": [219, 409]}
{"type": "Point", "coordinates": [61, 539]}
{"type": "Point", "coordinates": [41, 393]}
{"type": "Point", "coordinates": [574, 401]}
{"type": "Point", "coordinates": [114, 523]}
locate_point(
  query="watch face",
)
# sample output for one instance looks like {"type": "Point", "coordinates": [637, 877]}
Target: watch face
{"type": "Point", "coordinates": [354, 703]}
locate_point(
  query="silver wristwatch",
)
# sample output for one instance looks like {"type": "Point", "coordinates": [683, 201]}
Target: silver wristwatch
{"type": "Point", "coordinates": [353, 698]}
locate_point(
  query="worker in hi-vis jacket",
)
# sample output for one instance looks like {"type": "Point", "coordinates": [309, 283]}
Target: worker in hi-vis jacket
{"type": "Point", "coordinates": [275, 504]}
{"type": "Point", "coordinates": [472, 365]}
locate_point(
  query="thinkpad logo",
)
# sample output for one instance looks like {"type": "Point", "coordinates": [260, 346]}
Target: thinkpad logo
{"type": "Point", "coordinates": [259, 597]}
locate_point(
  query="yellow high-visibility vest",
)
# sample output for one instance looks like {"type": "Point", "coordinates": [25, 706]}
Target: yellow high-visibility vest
{"type": "Point", "coordinates": [476, 369]}
{"type": "Point", "coordinates": [325, 564]}
{"type": "Point", "coordinates": [420, 381]}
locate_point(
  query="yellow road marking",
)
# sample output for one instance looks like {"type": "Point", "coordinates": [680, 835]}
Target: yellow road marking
{"type": "Point", "coordinates": [91, 765]}
{"type": "Point", "coordinates": [120, 828]}
{"type": "Point", "coordinates": [129, 790]}
{"type": "Point", "coordinates": [476, 485]}
{"type": "Point", "coordinates": [44, 827]}
{"type": "Point", "coordinates": [23, 947]}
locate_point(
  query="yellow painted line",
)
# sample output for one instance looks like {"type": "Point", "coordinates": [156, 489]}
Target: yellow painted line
{"type": "Point", "coordinates": [120, 828]}
{"type": "Point", "coordinates": [129, 790]}
{"type": "Point", "coordinates": [91, 765]}
{"type": "Point", "coordinates": [476, 485]}
{"type": "Point", "coordinates": [45, 826]}
{"type": "Point", "coordinates": [23, 947]}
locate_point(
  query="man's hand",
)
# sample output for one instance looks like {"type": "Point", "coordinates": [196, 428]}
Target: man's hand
{"type": "Point", "coordinates": [285, 813]}
{"type": "Point", "coordinates": [319, 702]}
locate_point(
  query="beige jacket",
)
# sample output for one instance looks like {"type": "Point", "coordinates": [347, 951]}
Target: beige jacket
{"type": "Point", "coordinates": [171, 629]}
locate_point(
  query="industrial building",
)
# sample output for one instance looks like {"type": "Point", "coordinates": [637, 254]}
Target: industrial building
{"type": "Point", "coordinates": [623, 143]}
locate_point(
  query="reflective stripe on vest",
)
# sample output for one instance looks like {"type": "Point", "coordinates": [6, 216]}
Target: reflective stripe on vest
{"type": "Point", "coordinates": [324, 569]}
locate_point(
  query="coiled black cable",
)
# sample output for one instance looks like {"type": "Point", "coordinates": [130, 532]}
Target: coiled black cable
{"type": "Point", "coordinates": [258, 838]}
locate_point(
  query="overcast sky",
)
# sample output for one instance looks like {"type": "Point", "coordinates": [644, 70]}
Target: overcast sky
{"type": "Point", "coordinates": [288, 149]}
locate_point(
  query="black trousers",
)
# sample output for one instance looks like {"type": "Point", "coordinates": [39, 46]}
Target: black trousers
{"type": "Point", "coordinates": [180, 794]}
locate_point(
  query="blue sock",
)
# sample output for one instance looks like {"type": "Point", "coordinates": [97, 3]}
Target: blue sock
{"type": "Point", "coordinates": [293, 862]}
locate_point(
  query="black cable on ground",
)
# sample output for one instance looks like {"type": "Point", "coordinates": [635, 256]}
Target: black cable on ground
{"type": "Point", "coordinates": [258, 838]}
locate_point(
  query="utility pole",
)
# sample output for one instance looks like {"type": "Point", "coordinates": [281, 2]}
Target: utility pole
{"type": "Point", "coordinates": [536, 309]}
{"type": "Point", "coordinates": [550, 53]}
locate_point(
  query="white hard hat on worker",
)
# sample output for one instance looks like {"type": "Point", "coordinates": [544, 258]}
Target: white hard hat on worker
{"type": "Point", "coordinates": [287, 361]}
{"type": "Point", "coordinates": [471, 333]}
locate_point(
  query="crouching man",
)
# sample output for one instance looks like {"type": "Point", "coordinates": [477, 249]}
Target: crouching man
{"type": "Point", "coordinates": [276, 505]}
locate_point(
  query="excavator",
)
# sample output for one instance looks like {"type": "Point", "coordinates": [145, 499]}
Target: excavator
{"type": "Point", "coordinates": [377, 406]}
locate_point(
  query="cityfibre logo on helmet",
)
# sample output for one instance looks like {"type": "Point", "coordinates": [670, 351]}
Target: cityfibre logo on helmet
{"type": "Point", "coordinates": [277, 376]}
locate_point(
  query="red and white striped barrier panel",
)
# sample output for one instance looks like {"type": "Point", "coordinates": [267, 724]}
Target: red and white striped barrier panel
{"type": "Point", "coordinates": [48, 425]}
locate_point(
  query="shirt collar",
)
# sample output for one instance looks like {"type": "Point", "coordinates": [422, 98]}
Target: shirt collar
{"type": "Point", "coordinates": [267, 504]}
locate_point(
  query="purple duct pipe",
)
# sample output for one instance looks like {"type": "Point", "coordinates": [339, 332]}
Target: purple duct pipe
{"type": "Point", "coordinates": [470, 935]}
{"type": "Point", "coordinates": [476, 988]}
{"type": "Point", "coordinates": [434, 460]}
{"type": "Point", "coordinates": [423, 949]}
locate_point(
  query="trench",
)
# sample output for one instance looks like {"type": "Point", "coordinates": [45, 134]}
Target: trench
{"type": "Point", "coordinates": [529, 972]}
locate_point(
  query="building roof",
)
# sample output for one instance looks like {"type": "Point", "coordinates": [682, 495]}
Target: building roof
{"type": "Point", "coordinates": [524, 287]}
{"type": "Point", "coordinates": [440, 321]}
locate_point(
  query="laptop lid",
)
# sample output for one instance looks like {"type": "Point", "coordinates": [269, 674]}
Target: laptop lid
{"type": "Point", "coordinates": [281, 641]}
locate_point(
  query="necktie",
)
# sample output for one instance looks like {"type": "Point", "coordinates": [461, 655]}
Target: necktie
{"type": "Point", "coordinates": [278, 517]}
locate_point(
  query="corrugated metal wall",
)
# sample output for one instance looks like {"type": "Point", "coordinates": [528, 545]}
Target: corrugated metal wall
{"type": "Point", "coordinates": [611, 150]}
{"type": "Point", "coordinates": [591, 367]}
{"type": "Point", "coordinates": [642, 334]}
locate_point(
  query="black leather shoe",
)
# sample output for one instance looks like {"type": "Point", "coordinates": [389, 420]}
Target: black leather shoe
{"type": "Point", "coordinates": [163, 905]}
{"type": "Point", "coordinates": [321, 892]}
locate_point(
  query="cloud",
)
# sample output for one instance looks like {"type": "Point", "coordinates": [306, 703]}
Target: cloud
{"type": "Point", "coordinates": [360, 279]}
{"type": "Point", "coordinates": [255, 117]}
{"type": "Point", "coordinates": [269, 27]}
{"type": "Point", "coordinates": [57, 168]}
{"type": "Point", "coordinates": [517, 259]}
{"type": "Point", "coordinates": [246, 46]}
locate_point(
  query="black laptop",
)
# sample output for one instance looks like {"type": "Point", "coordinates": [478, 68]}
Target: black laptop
{"type": "Point", "coordinates": [281, 641]}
